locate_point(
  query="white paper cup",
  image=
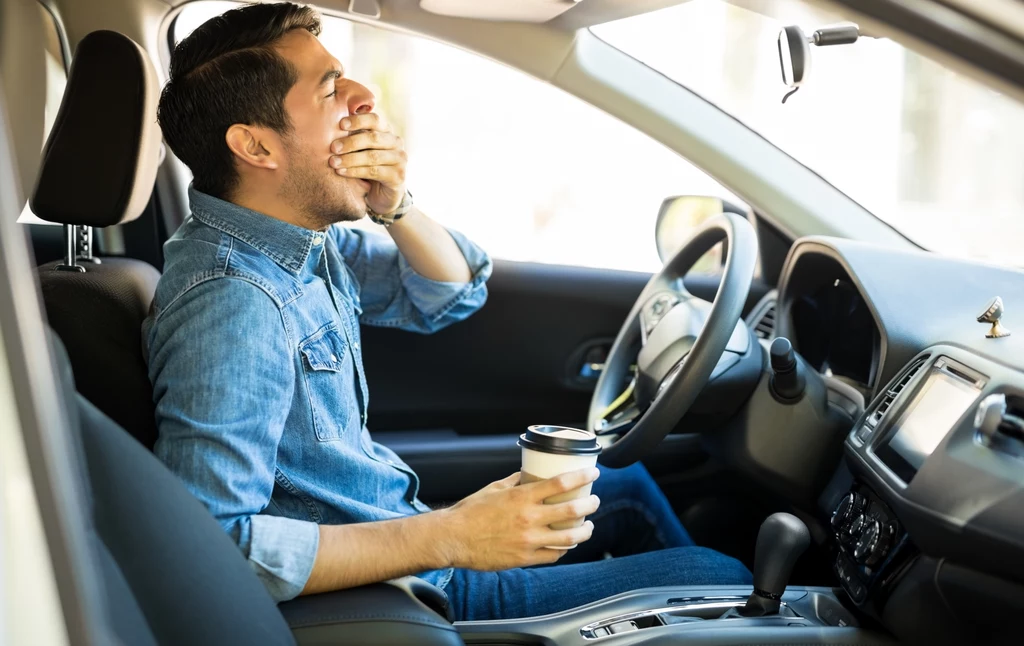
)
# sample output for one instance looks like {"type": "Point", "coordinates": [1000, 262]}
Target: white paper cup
{"type": "Point", "coordinates": [550, 451]}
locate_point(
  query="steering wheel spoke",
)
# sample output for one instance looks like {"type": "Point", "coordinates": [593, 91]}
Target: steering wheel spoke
{"type": "Point", "coordinates": [622, 421]}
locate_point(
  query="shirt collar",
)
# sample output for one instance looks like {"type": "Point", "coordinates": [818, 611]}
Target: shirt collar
{"type": "Point", "coordinates": [286, 244]}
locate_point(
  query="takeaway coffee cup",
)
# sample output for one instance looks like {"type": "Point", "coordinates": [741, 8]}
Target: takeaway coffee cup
{"type": "Point", "coordinates": [550, 451]}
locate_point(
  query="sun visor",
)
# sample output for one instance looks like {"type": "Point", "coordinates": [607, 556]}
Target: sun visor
{"type": "Point", "coordinates": [518, 10]}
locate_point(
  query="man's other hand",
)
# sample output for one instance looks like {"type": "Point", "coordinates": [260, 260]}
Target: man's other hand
{"type": "Point", "coordinates": [505, 526]}
{"type": "Point", "coordinates": [373, 153]}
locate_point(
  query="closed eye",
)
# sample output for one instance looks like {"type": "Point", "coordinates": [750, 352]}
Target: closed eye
{"type": "Point", "coordinates": [331, 76]}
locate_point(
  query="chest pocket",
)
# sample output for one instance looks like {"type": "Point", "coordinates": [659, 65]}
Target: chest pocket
{"type": "Point", "coordinates": [330, 383]}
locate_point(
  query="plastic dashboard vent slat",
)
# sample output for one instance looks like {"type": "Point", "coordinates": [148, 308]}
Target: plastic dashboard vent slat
{"type": "Point", "coordinates": [766, 324]}
{"type": "Point", "coordinates": [897, 388]}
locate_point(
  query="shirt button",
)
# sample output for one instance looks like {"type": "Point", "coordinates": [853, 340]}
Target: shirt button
{"type": "Point", "coordinates": [334, 358]}
{"type": "Point", "coordinates": [357, 346]}
{"type": "Point", "coordinates": [318, 238]}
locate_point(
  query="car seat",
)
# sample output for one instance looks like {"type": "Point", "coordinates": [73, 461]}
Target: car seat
{"type": "Point", "coordinates": [98, 169]}
{"type": "Point", "coordinates": [171, 575]}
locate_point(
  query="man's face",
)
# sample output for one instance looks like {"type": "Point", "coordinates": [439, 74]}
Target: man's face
{"type": "Point", "coordinates": [316, 104]}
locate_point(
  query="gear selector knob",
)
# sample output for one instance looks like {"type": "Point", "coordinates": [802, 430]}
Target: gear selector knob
{"type": "Point", "coordinates": [780, 542]}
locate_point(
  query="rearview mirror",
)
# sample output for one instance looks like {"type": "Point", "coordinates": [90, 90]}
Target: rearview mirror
{"type": "Point", "coordinates": [795, 50]}
{"type": "Point", "coordinates": [680, 215]}
{"type": "Point", "coordinates": [794, 56]}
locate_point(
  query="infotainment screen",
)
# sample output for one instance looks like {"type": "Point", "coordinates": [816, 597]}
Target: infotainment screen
{"type": "Point", "coordinates": [936, 407]}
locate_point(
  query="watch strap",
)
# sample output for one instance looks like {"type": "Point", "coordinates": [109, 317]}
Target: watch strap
{"type": "Point", "coordinates": [387, 219]}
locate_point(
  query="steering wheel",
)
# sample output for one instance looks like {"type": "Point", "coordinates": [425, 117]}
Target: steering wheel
{"type": "Point", "coordinates": [676, 342]}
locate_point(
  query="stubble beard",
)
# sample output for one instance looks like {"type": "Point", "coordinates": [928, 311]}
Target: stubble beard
{"type": "Point", "coordinates": [322, 196]}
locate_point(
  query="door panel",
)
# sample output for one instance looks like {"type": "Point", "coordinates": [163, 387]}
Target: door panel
{"type": "Point", "coordinates": [515, 362]}
{"type": "Point", "coordinates": [508, 365]}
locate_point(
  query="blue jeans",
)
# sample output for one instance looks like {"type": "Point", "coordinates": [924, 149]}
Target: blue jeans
{"type": "Point", "coordinates": [635, 525]}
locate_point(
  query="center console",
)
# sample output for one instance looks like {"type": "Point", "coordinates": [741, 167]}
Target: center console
{"type": "Point", "coordinates": [925, 512]}
{"type": "Point", "coordinates": [872, 545]}
{"type": "Point", "coordinates": [895, 439]}
{"type": "Point", "coordinates": [712, 614]}
{"type": "Point", "coordinates": [685, 615]}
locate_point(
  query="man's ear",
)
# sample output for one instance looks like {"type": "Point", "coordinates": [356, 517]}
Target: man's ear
{"type": "Point", "coordinates": [254, 146]}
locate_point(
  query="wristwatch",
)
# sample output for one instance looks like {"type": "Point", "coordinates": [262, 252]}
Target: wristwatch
{"type": "Point", "coordinates": [387, 219]}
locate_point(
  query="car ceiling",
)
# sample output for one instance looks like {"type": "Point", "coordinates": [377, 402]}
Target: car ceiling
{"type": "Point", "coordinates": [584, 13]}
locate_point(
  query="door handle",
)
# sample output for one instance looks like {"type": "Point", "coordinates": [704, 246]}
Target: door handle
{"type": "Point", "coordinates": [586, 363]}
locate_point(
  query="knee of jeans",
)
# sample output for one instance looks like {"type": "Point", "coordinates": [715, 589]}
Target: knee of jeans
{"type": "Point", "coordinates": [728, 570]}
{"type": "Point", "coordinates": [630, 480]}
{"type": "Point", "coordinates": [737, 572]}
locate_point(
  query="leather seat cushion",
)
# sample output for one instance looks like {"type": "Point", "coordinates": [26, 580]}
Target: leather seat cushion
{"type": "Point", "coordinates": [373, 615]}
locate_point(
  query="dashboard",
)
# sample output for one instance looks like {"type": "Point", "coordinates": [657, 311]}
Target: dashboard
{"type": "Point", "coordinates": [926, 509]}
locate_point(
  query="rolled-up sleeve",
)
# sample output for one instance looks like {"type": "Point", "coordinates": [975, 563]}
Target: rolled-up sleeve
{"type": "Point", "coordinates": [223, 377]}
{"type": "Point", "coordinates": [392, 294]}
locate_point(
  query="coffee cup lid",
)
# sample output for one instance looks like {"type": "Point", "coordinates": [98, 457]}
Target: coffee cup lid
{"type": "Point", "coordinates": [559, 439]}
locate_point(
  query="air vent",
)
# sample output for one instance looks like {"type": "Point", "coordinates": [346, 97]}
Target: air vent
{"type": "Point", "coordinates": [895, 390]}
{"type": "Point", "coordinates": [765, 326]}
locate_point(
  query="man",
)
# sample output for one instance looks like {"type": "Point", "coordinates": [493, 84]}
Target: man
{"type": "Point", "coordinates": [255, 356]}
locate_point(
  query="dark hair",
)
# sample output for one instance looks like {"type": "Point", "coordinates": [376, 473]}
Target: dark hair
{"type": "Point", "coordinates": [227, 72]}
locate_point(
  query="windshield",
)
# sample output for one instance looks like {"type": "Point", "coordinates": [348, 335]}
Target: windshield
{"type": "Point", "coordinates": [933, 153]}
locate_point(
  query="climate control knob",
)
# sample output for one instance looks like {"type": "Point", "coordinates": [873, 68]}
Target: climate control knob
{"type": "Point", "coordinates": [868, 541]}
{"type": "Point", "coordinates": [848, 508]}
{"type": "Point", "coordinates": [874, 543]}
{"type": "Point", "coordinates": [843, 513]}
{"type": "Point", "coordinates": [855, 527]}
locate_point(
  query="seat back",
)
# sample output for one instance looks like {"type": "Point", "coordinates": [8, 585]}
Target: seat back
{"type": "Point", "coordinates": [171, 575]}
{"type": "Point", "coordinates": [99, 166]}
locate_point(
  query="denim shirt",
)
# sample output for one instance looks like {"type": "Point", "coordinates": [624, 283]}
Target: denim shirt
{"type": "Point", "coordinates": [255, 356]}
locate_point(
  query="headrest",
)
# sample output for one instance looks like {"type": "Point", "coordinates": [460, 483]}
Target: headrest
{"type": "Point", "coordinates": [100, 160]}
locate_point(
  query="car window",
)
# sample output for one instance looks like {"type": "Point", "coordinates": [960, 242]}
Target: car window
{"type": "Point", "coordinates": [56, 80]}
{"type": "Point", "coordinates": [528, 171]}
{"type": "Point", "coordinates": [933, 153]}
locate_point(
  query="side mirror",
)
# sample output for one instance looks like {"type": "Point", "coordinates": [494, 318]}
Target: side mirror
{"type": "Point", "coordinates": [680, 215]}
{"type": "Point", "coordinates": [794, 56]}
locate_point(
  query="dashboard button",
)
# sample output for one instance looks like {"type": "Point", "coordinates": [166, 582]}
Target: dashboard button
{"type": "Point", "coordinates": [858, 591]}
{"type": "Point", "coordinates": [864, 433]}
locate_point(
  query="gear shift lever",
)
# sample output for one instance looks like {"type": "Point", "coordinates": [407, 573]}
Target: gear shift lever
{"type": "Point", "coordinates": [780, 542]}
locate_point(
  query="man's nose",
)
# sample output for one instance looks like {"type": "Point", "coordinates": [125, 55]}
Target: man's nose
{"type": "Point", "coordinates": [360, 99]}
